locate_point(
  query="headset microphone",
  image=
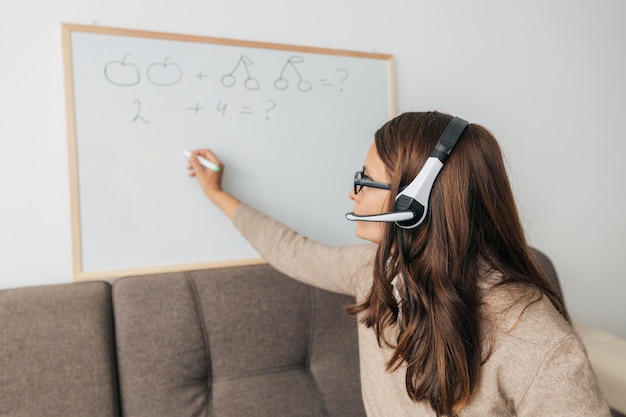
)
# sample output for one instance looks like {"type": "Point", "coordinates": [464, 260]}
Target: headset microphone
{"type": "Point", "coordinates": [395, 216]}
{"type": "Point", "coordinates": [412, 202]}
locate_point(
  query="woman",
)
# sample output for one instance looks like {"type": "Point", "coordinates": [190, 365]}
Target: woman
{"type": "Point", "coordinates": [455, 316]}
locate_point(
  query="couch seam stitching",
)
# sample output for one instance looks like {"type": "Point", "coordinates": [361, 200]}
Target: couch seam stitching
{"type": "Point", "coordinates": [312, 318]}
{"type": "Point", "coordinates": [263, 372]}
{"type": "Point", "coordinates": [205, 338]}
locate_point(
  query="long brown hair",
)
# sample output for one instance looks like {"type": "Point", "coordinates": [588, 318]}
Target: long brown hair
{"type": "Point", "coordinates": [472, 226]}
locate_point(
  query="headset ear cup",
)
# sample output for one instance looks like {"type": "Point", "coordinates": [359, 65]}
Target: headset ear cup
{"type": "Point", "coordinates": [416, 195]}
{"type": "Point", "coordinates": [406, 203]}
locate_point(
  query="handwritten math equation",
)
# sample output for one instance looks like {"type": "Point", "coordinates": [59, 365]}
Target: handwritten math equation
{"type": "Point", "coordinates": [124, 73]}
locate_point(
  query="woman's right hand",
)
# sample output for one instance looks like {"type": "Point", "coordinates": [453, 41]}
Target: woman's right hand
{"type": "Point", "coordinates": [211, 181]}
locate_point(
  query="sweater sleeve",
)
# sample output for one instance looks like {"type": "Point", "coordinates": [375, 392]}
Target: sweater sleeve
{"type": "Point", "coordinates": [564, 385]}
{"type": "Point", "coordinates": [335, 269]}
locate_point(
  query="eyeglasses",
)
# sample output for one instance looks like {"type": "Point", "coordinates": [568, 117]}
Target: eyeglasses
{"type": "Point", "coordinates": [361, 180]}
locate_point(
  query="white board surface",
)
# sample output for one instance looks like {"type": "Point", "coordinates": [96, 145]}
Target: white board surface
{"type": "Point", "coordinates": [292, 125]}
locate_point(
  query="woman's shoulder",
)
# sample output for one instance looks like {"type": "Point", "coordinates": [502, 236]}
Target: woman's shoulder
{"type": "Point", "coordinates": [523, 313]}
{"type": "Point", "coordinates": [535, 358]}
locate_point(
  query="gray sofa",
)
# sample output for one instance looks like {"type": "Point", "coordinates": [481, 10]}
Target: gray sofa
{"type": "Point", "coordinates": [239, 341]}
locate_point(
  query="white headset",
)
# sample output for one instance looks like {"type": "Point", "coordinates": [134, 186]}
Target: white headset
{"type": "Point", "coordinates": [412, 202]}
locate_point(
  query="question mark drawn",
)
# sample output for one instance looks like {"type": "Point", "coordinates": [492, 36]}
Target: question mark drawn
{"type": "Point", "coordinates": [344, 77]}
{"type": "Point", "coordinates": [272, 107]}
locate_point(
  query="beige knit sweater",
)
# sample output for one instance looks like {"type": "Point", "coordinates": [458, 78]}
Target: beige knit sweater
{"type": "Point", "coordinates": [537, 367]}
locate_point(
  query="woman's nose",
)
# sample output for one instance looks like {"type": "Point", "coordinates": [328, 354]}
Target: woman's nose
{"type": "Point", "coordinates": [351, 195]}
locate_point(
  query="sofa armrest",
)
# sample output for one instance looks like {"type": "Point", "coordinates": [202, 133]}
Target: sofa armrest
{"type": "Point", "coordinates": [607, 354]}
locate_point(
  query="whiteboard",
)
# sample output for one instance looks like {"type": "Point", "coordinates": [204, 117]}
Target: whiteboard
{"type": "Point", "coordinates": [292, 125]}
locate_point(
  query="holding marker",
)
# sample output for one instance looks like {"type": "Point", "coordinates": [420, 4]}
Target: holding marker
{"type": "Point", "coordinates": [203, 161]}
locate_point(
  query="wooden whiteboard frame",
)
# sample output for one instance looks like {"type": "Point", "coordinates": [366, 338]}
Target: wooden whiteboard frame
{"type": "Point", "coordinates": [67, 30]}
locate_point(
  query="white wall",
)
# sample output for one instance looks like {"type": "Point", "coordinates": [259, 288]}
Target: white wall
{"type": "Point", "coordinates": [546, 76]}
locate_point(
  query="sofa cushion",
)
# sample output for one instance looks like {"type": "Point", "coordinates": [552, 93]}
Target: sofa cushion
{"type": "Point", "coordinates": [244, 341]}
{"type": "Point", "coordinates": [57, 355]}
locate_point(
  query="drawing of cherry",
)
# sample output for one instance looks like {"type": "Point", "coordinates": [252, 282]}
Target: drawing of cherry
{"type": "Point", "coordinates": [164, 73]}
{"type": "Point", "coordinates": [122, 73]}
{"type": "Point", "coordinates": [229, 80]}
{"type": "Point", "coordinates": [281, 83]}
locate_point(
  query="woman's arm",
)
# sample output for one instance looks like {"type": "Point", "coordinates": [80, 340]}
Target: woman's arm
{"type": "Point", "coordinates": [334, 269]}
{"type": "Point", "coordinates": [337, 269]}
{"type": "Point", "coordinates": [564, 385]}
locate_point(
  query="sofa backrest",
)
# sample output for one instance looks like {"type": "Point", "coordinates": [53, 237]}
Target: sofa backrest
{"type": "Point", "coordinates": [548, 268]}
{"type": "Point", "coordinates": [57, 354]}
{"type": "Point", "coordinates": [244, 341]}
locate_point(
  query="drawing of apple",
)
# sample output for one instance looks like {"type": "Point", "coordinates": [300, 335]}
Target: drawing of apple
{"type": "Point", "coordinates": [122, 73]}
{"type": "Point", "coordinates": [164, 73]}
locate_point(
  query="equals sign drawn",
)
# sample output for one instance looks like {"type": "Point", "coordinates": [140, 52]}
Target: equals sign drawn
{"type": "Point", "coordinates": [326, 83]}
{"type": "Point", "coordinates": [246, 110]}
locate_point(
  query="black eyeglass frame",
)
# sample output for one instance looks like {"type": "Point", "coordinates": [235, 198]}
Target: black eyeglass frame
{"type": "Point", "coordinates": [359, 182]}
